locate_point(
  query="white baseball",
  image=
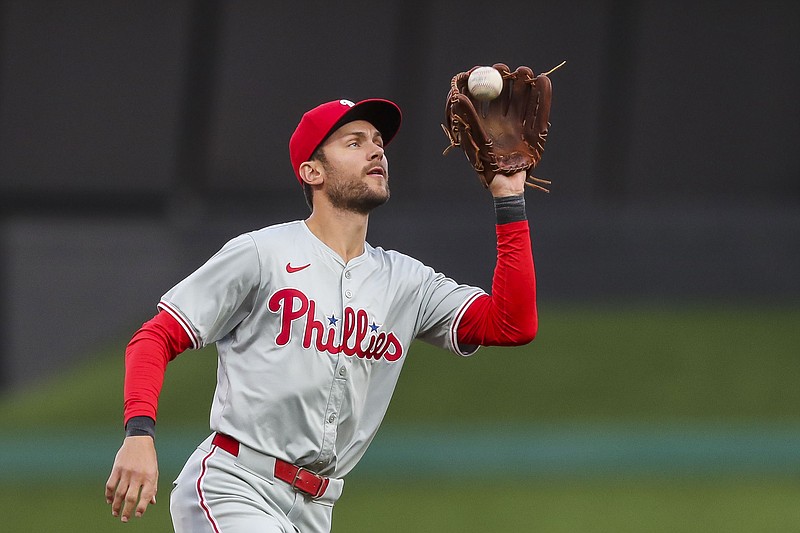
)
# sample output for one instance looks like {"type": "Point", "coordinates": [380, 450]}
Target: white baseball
{"type": "Point", "coordinates": [485, 83]}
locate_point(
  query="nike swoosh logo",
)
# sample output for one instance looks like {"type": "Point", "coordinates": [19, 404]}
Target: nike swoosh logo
{"type": "Point", "coordinates": [291, 269]}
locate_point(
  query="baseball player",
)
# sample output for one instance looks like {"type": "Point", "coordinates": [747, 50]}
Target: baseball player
{"type": "Point", "coordinates": [312, 326]}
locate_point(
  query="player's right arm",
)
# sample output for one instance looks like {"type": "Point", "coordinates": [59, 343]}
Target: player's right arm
{"type": "Point", "coordinates": [217, 296]}
{"type": "Point", "coordinates": [133, 482]}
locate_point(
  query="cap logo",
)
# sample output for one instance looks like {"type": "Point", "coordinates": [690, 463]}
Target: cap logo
{"type": "Point", "coordinates": [348, 103]}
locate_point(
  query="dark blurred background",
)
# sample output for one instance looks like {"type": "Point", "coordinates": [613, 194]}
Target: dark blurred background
{"type": "Point", "coordinates": [137, 137]}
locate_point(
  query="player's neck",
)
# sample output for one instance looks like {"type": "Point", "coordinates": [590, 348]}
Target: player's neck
{"type": "Point", "coordinates": [343, 232]}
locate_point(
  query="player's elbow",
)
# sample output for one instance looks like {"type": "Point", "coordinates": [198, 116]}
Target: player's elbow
{"type": "Point", "coordinates": [528, 333]}
{"type": "Point", "coordinates": [524, 333]}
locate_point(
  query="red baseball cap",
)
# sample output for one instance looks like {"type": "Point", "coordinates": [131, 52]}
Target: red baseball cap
{"type": "Point", "coordinates": [318, 123]}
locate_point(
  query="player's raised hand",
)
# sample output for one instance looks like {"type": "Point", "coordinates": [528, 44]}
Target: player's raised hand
{"type": "Point", "coordinates": [503, 185]}
{"type": "Point", "coordinates": [133, 482]}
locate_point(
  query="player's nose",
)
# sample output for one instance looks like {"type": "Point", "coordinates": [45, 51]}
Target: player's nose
{"type": "Point", "coordinates": [376, 152]}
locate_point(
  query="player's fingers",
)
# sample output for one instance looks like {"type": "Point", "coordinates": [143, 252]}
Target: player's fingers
{"type": "Point", "coordinates": [119, 497]}
{"type": "Point", "coordinates": [130, 501]}
{"type": "Point", "coordinates": [147, 496]}
{"type": "Point", "coordinates": [116, 487]}
{"type": "Point", "coordinates": [111, 485]}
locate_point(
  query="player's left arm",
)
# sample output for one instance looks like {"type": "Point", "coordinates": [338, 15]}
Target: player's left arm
{"type": "Point", "coordinates": [507, 317]}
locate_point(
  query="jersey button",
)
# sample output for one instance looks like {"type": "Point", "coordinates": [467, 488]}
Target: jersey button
{"type": "Point", "coordinates": [332, 418]}
{"type": "Point", "coordinates": [343, 371]}
{"type": "Point", "coordinates": [348, 293]}
{"type": "Point", "coordinates": [348, 275]}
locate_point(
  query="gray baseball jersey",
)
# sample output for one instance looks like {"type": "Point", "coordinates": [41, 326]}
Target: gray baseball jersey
{"type": "Point", "coordinates": [310, 347]}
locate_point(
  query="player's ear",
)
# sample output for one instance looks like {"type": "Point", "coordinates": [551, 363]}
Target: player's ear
{"type": "Point", "coordinates": [311, 172]}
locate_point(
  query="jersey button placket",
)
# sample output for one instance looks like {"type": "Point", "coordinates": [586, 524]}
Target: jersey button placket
{"type": "Point", "coordinates": [331, 414]}
{"type": "Point", "coordinates": [338, 388]}
{"type": "Point", "coordinates": [347, 291]}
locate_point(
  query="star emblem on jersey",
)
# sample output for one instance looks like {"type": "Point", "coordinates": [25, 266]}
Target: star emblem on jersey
{"type": "Point", "coordinates": [374, 327]}
{"type": "Point", "coordinates": [292, 269]}
{"type": "Point", "coordinates": [332, 320]}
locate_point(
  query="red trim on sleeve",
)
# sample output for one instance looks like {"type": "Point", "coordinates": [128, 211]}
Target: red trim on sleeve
{"type": "Point", "coordinates": [154, 345]}
{"type": "Point", "coordinates": [508, 317]}
{"type": "Point", "coordinates": [164, 306]}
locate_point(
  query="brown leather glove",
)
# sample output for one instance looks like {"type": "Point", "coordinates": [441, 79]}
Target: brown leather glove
{"type": "Point", "coordinates": [506, 134]}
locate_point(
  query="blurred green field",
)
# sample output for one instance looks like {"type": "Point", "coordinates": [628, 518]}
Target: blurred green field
{"type": "Point", "coordinates": [616, 365]}
{"type": "Point", "coordinates": [551, 506]}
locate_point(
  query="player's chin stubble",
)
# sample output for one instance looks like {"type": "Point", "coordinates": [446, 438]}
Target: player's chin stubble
{"type": "Point", "coordinates": [356, 196]}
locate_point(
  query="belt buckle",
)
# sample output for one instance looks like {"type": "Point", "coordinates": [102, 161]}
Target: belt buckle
{"type": "Point", "coordinates": [322, 483]}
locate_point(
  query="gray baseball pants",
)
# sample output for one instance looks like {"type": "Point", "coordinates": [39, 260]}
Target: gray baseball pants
{"type": "Point", "coordinates": [217, 492]}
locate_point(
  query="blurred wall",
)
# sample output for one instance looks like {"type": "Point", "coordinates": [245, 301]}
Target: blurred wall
{"type": "Point", "coordinates": [137, 137]}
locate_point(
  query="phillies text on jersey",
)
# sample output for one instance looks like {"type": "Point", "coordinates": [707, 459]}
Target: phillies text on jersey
{"type": "Point", "coordinates": [310, 347]}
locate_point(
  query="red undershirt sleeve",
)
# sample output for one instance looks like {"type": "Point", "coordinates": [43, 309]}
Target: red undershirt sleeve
{"type": "Point", "coordinates": [154, 345]}
{"type": "Point", "coordinates": [507, 317]}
